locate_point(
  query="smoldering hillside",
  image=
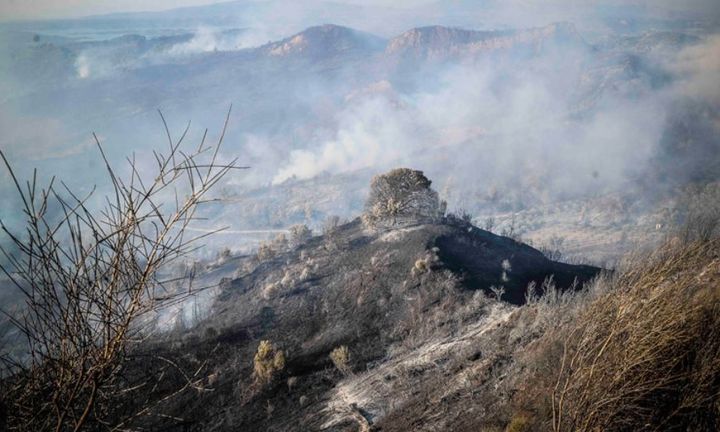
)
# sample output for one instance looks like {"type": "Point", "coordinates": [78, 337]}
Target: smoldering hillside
{"type": "Point", "coordinates": [502, 120]}
{"type": "Point", "coordinates": [538, 127]}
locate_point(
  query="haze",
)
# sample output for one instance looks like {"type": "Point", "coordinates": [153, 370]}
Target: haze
{"type": "Point", "coordinates": [565, 101]}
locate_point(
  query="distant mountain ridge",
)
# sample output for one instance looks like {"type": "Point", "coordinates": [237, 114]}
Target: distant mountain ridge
{"type": "Point", "coordinates": [422, 43]}
{"type": "Point", "coordinates": [387, 20]}
{"type": "Point", "coordinates": [324, 41]}
{"type": "Point", "coordinates": [438, 42]}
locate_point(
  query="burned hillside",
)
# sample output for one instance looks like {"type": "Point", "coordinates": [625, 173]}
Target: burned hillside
{"type": "Point", "coordinates": [376, 291]}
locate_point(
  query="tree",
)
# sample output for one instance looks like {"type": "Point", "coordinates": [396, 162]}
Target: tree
{"type": "Point", "coordinates": [399, 196]}
{"type": "Point", "coordinates": [89, 278]}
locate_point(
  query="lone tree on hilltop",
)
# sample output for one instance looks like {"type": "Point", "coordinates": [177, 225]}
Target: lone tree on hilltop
{"type": "Point", "coordinates": [401, 196]}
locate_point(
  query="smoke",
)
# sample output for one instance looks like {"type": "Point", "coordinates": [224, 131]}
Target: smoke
{"type": "Point", "coordinates": [207, 39]}
{"type": "Point", "coordinates": [102, 61]}
{"type": "Point", "coordinates": [113, 57]}
{"type": "Point", "coordinates": [367, 133]}
{"type": "Point", "coordinates": [83, 66]}
{"type": "Point", "coordinates": [697, 69]}
{"type": "Point", "coordinates": [556, 125]}
{"type": "Point", "coordinates": [491, 123]}
{"type": "Point", "coordinates": [689, 149]}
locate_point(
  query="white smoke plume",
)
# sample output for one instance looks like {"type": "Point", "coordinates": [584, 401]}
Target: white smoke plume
{"type": "Point", "coordinates": [206, 39]}
{"type": "Point", "coordinates": [698, 70]}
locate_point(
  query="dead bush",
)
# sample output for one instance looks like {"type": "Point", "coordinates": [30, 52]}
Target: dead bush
{"type": "Point", "coordinates": [90, 277]}
{"type": "Point", "coordinates": [280, 243]}
{"type": "Point", "coordinates": [332, 240]}
{"type": "Point", "coordinates": [331, 225]}
{"type": "Point", "coordinates": [299, 234]}
{"type": "Point", "coordinates": [265, 252]}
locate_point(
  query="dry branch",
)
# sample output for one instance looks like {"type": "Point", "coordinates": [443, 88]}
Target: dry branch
{"type": "Point", "coordinates": [89, 276]}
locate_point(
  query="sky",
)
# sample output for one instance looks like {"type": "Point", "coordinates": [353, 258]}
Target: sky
{"type": "Point", "coordinates": [42, 9]}
{"type": "Point", "coordinates": [32, 9]}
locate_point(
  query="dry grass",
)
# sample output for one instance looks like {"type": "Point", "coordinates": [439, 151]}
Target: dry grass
{"type": "Point", "coordinates": [647, 354]}
{"type": "Point", "coordinates": [644, 356]}
{"type": "Point", "coordinates": [519, 423]}
{"type": "Point", "coordinates": [640, 348]}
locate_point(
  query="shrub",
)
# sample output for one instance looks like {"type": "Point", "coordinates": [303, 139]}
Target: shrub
{"type": "Point", "coordinates": [519, 423]}
{"type": "Point", "coordinates": [280, 243]}
{"type": "Point", "coordinates": [426, 264]}
{"type": "Point", "coordinates": [331, 225]}
{"type": "Point", "coordinates": [270, 288]}
{"type": "Point", "coordinates": [553, 249]}
{"type": "Point", "coordinates": [332, 240]}
{"type": "Point", "coordinates": [498, 292]}
{"type": "Point", "coordinates": [299, 234]}
{"type": "Point", "coordinates": [466, 217]}
{"type": "Point", "coordinates": [512, 230]}
{"type": "Point", "coordinates": [489, 224]}
{"type": "Point", "coordinates": [292, 382]}
{"type": "Point", "coordinates": [224, 255]}
{"type": "Point", "coordinates": [268, 362]}
{"type": "Point", "coordinates": [265, 252]}
{"type": "Point", "coordinates": [421, 266]}
{"type": "Point", "coordinates": [340, 357]}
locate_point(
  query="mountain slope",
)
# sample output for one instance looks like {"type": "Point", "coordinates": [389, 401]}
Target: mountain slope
{"type": "Point", "coordinates": [374, 292]}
